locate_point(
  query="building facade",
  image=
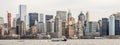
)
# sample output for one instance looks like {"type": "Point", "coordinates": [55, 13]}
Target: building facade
{"type": "Point", "coordinates": [22, 9]}
{"type": "Point", "coordinates": [41, 27]}
{"type": "Point", "coordinates": [21, 30]}
{"type": "Point", "coordinates": [117, 23]}
{"type": "Point", "coordinates": [58, 26]}
{"type": "Point", "coordinates": [105, 27]}
{"type": "Point", "coordinates": [63, 15]}
{"type": "Point", "coordinates": [91, 29]}
{"type": "Point", "coordinates": [81, 22]}
{"type": "Point", "coordinates": [14, 22]}
{"type": "Point", "coordinates": [32, 18]}
{"type": "Point", "coordinates": [111, 25]}
{"type": "Point", "coordinates": [70, 26]}
{"type": "Point", "coordinates": [48, 27]}
{"type": "Point", "coordinates": [9, 20]}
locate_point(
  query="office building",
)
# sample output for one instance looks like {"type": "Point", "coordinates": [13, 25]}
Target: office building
{"type": "Point", "coordinates": [63, 15]}
{"type": "Point", "coordinates": [22, 9]}
{"type": "Point", "coordinates": [117, 23]}
{"type": "Point", "coordinates": [9, 20]}
{"type": "Point", "coordinates": [81, 18]}
{"type": "Point", "coordinates": [91, 29]}
{"type": "Point", "coordinates": [41, 23]}
{"type": "Point", "coordinates": [47, 18]}
{"type": "Point", "coordinates": [70, 28]}
{"type": "Point", "coordinates": [14, 22]}
{"type": "Point", "coordinates": [79, 29]}
{"type": "Point", "coordinates": [32, 18]}
{"type": "Point", "coordinates": [50, 24]}
{"type": "Point", "coordinates": [105, 27]}
{"type": "Point", "coordinates": [41, 18]}
{"type": "Point", "coordinates": [41, 27]}
{"type": "Point", "coordinates": [58, 26]}
{"type": "Point", "coordinates": [87, 17]}
{"type": "Point", "coordinates": [112, 25]}
{"type": "Point", "coordinates": [23, 15]}
{"type": "Point", "coordinates": [21, 30]}
{"type": "Point", "coordinates": [81, 23]}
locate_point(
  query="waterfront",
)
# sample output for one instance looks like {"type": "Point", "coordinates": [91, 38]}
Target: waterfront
{"type": "Point", "coordinates": [69, 42]}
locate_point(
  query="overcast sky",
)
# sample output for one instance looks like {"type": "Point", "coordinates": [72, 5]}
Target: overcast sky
{"type": "Point", "coordinates": [97, 8]}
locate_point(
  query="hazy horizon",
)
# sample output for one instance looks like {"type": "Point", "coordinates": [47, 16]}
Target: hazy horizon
{"type": "Point", "coordinates": [97, 8]}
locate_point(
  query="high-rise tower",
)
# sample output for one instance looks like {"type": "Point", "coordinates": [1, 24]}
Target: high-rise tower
{"type": "Point", "coordinates": [58, 26]}
{"type": "Point", "coordinates": [81, 18]}
{"type": "Point", "coordinates": [9, 20]}
{"type": "Point", "coordinates": [81, 24]}
{"type": "Point", "coordinates": [70, 28]}
{"type": "Point", "coordinates": [22, 9]}
{"type": "Point", "coordinates": [32, 18]}
{"type": "Point", "coordinates": [112, 25]}
{"type": "Point", "coordinates": [62, 15]}
{"type": "Point", "coordinates": [87, 17]}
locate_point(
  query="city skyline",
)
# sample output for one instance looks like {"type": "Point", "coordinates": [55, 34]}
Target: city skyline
{"type": "Point", "coordinates": [101, 8]}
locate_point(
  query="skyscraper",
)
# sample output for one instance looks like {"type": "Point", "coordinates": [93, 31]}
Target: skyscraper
{"type": "Point", "coordinates": [41, 23]}
{"type": "Point", "coordinates": [105, 27]}
{"type": "Point", "coordinates": [112, 25]}
{"type": "Point", "coordinates": [22, 27]}
{"type": "Point", "coordinates": [47, 18]}
{"type": "Point", "coordinates": [22, 12]}
{"type": "Point", "coordinates": [91, 29]}
{"type": "Point", "coordinates": [63, 15]}
{"type": "Point", "coordinates": [14, 22]}
{"type": "Point", "coordinates": [41, 18]}
{"type": "Point", "coordinates": [117, 23]}
{"type": "Point", "coordinates": [99, 26]}
{"type": "Point", "coordinates": [32, 18]}
{"type": "Point", "coordinates": [81, 23]}
{"type": "Point", "coordinates": [87, 17]}
{"type": "Point", "coordinates": [23, 15]}
{"type": "Point", "coordinates": [70, 28]}
{"type": "Point", "coordinates": [41, 27]}
{"type": "Point", "coordinates": [9, 20]}
{"type": "Point", "coordinates": [79, 29]}
{"type": "Point", "coordinates": [58, 26]}
{"type": "Point", "coordinates": [50, 25]}
{"type": "Point", "coordinates": [17, 24]}
{"type": "Point", "coordinates": [81, 18]}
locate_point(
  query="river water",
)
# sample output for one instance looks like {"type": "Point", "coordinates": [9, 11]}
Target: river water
{"type": "Point", "coordinates": [68, 42]}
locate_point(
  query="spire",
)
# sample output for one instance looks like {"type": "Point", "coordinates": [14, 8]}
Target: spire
{"type": "Point", "coordinates": [69, 13]}
{"type": "Point", "coordinates": [81, 13]}
{"type": "Point", "coordinates": [87, 16]}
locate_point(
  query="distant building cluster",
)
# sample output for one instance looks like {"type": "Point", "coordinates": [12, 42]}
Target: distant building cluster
{"type": "Point", "coordinates": [35, 25]}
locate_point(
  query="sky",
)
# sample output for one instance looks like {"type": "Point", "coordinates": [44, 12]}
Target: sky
{"type": "Point", "coordinates": [98, 9]}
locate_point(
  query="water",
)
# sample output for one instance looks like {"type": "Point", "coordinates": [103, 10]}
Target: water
{"type": "Point", "coordinates": [69, 42]}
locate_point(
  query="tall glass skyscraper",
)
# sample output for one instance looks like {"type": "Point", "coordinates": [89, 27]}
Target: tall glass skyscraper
{"type": "Point", "coordinates": [47, 18]}
{"type": "Point", "coordinates": [32, 18]}
{"type": "Point", "coordinates": [105, 26]}
{"type": "Point", "coordinates": [22, 9]}
{"type": "Point", "coordinates": [112, 25]}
